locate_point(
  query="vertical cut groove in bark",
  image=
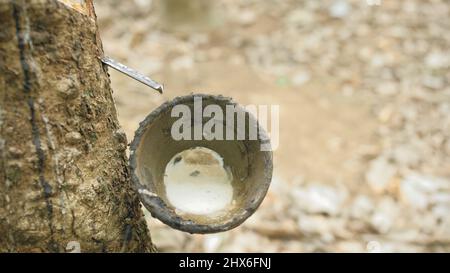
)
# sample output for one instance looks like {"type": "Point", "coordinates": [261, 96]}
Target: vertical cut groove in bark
{"type": "Point", "coordinates": [34, 127]}
{"type": "Point", "coordinates": [64, 174]}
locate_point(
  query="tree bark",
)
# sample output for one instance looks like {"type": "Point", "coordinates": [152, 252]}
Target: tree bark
{"type": "Point", "coordinates": [64, 176]}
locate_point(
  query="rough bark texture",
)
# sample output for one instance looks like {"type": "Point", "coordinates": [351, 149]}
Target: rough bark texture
{"type": "Point", "coordinates": [63, 167]}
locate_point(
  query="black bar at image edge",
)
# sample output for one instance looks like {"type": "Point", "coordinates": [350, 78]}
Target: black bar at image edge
{"type": "Point", "coordinates": [254, 262]}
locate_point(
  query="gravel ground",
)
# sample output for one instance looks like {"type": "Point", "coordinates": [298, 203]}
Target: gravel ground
{"type": "Point", "coordinates": [364, 94]}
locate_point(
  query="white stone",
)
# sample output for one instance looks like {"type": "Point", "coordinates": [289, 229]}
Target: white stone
{"type": "Point", "coordinates": [384, 216]}
{"type": "Point", "coordinates": [380, 174]}
{"type": "Point", "coordinates": [319, 199]}
{"type": "Point", "coordinates": [412, 195]}
{"type": "Point", "coordinates": [437, 60]}
{"type": "Point", "coordinates": [300, 78]}
{"type": "Point", "coordinates": [361, 207]}
{"type": "Point", "coordinates": [339, 9]}
{"type": "Point", "coordinates": [406, 155]}
{"type": "Point", "coordinates": [426, 183]}
{"type": "Point", "coordinates": [212, 242]}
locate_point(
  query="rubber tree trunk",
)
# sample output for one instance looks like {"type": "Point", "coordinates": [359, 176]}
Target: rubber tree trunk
{"type": "Point", "coordinates": [64, 180]}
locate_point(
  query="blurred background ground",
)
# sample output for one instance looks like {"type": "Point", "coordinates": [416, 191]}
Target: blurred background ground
{"type": "Point", "coordinates": [364, 92]}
